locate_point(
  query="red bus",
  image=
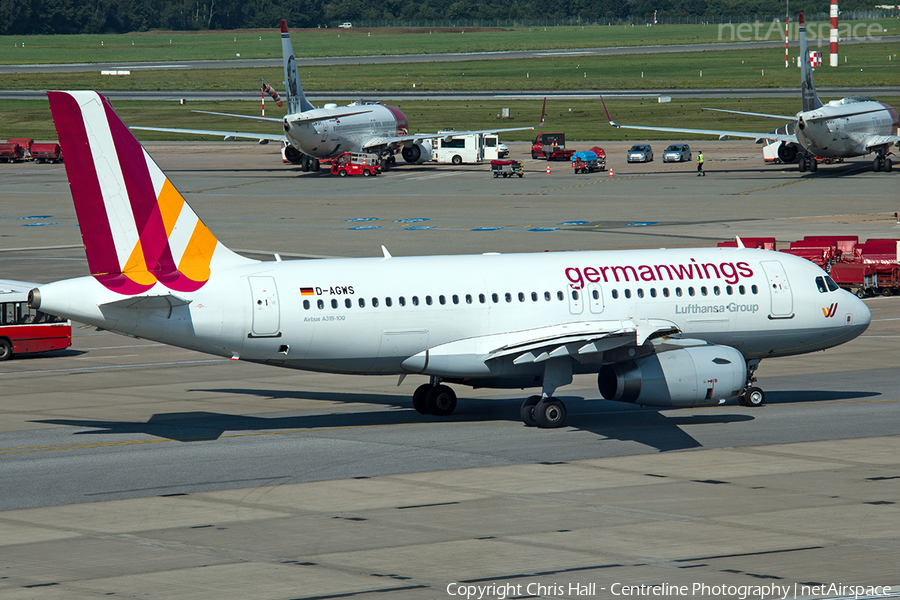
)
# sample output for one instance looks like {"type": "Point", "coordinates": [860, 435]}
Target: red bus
{"type": "Point", "coordinates": [24, 330]}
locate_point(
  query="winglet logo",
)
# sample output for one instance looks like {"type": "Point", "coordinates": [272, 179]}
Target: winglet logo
{"type": "Point", "coordinates": [830, 311]}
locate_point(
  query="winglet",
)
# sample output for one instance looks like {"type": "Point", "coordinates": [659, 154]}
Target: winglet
{"type": "Point", "coordinates": [608, 117]}
{"type": "Point", "coordinates": [385, 252]}
{"type": "Point", "coordinates": [543, 112]}
{"type": "Point", "coordinates": [739, 242]}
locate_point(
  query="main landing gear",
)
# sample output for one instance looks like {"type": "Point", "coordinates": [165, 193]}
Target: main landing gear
{"type": "Point", "coordinates": [752, 396]}
{"type": "Point", "coordinates": [807, 161]}
{"type": "Point", "coordinates": [547, 413]}
{"type": "Point", "coordinates": [434, 398]}
{"type": "Point", "coordinates": [882, 163]}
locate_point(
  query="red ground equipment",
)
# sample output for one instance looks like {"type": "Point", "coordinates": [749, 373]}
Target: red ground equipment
{"type": "Point", "coordinates": [507, 168]}
{"type": "Point", "coordinates": [551, 146]}
{"type": "Point", "coordinates": [26, 144]}
{"type": "Point", "coordinates": [767, 243]}
{"type": "Point", "coordinates": [51, 153]}
{"type": "Point", "coordinates": [11, 152]}
{"type": "Point", "coordinates": [589, 161]}
{"type": "Point", "coordinates": [355, 163]}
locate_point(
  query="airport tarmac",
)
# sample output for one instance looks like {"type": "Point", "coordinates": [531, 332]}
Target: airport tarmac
{"type": "Point", "coordinates": [132, 469]}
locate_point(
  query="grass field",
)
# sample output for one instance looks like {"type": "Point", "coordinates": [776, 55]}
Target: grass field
{"type": "Point", "coordinates": [861, 65]}
{"type": "Point", "coordinates": [579, 119]}
{"type": "Point", "coordinates": [156, 46]}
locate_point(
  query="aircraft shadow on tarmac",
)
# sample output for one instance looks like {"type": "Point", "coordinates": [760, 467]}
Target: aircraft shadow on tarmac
{"type": "Point", "coordinates": [796, 396]}
{"type": "Point", "coordinates": [655, 428]}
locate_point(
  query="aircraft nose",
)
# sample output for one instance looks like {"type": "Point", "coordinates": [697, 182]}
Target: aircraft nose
{"type": "Point", "coordinates": [859, 316]}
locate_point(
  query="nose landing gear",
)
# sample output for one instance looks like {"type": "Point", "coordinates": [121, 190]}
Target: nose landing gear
{"type": "Point", "coordinates": [752, 395]}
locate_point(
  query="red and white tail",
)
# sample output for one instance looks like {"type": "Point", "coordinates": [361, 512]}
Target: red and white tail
{"type": "Point", "coordinates": [137, 228]}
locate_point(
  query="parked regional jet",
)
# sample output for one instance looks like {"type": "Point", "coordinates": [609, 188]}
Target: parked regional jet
{"type": "Point", "coordinates": [311, 133]}
{"type": "Point", "coordinates": [852, 126]}
{"type": "Point", "coordinates": [680, 327]}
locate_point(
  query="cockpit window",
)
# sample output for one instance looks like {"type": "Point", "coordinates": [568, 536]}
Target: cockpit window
{"type": "Point", "coordinates": [832, 286]}
{"type": "Point", "coordinates": [820, 283]}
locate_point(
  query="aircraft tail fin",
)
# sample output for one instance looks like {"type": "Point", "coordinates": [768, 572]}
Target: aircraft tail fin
{"type": "Point", "coordinates": [807, 88]}
{"type": "Point", "coordinates": [296, 100]}
{"type": "Point", "coordinates": [136, 227]}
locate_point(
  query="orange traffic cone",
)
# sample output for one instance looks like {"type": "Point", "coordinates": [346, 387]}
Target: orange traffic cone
{"type": "Point", "coordinates": [610, 171]}
{"type": "Point", "coordinates": [548, 169]}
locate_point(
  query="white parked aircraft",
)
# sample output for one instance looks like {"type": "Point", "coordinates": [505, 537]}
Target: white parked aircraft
{"type": "Point", "coordinates": [681, 327]}
{"type": "Point", "coordinates": [852, 126]}
{"type": "Point", "coordinates": [314, 133]}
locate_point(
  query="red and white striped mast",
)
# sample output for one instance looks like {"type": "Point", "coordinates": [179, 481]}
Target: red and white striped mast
{"type": "Point", "coordinates": [787, 32]}
{"type": "Point", "coordinates": [833, 61]}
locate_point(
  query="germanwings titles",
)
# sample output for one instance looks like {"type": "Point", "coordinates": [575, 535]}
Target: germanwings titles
{"type": "Point", "coordinates": [682, 327]}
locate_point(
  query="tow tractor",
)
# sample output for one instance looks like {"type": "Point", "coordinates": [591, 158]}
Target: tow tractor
{"type": "Point", "coordinates": [507, 168]}
{"type": "Point", "coordinates": [355, 163]}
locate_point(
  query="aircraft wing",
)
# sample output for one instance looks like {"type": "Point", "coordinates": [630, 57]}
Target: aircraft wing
{"type": "Point", "coordinates": [579, 339]}
{"type": "Point", "coordinates": [416, 138]}
{"type": "Point", "coordinates": [253, 117]}
{"type": "Point", "coordinates": [882, 140]}
{"type": "Point", "coordinates": [537, 345]}
{"type": "Point", "coordinates": [227, 135]}
{"type": "Point", "coordinates": [781, 137]}
{"type": "Point", "coordinates": [753, 114]}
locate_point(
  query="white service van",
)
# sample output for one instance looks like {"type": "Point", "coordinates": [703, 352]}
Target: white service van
{"type": "Point", "coordinates": [465, 149]}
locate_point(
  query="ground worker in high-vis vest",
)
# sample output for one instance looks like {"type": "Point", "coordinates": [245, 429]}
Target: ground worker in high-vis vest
{"type": "Point", "coordinates": [700, 164]}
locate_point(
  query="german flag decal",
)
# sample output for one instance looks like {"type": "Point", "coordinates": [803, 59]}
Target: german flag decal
{"type": "Point", "coordinates": [307, 292]}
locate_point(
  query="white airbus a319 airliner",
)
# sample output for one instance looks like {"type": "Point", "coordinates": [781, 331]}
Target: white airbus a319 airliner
{"type": "Point", "coordinates": [669, 328]}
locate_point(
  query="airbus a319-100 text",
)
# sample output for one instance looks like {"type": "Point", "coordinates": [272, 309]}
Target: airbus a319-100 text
{"type": "Point", "coordinates": [669, 328]}
{"type": "Point", "coordinates": [311, 134]}
{"type": "Point", "coordinates": [852, 126]}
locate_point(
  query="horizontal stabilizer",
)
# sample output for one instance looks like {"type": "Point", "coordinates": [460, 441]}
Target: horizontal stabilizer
{"type": "Point", "coordinates": [227, 135]}
{"type": "Point", "coordinates": [157, 304]}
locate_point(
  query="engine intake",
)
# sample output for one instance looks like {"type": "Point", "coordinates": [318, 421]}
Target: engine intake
{"type": "Point", "coordinates": [696, 376]}
{"type": "Point", "coordinates": [417, 153]}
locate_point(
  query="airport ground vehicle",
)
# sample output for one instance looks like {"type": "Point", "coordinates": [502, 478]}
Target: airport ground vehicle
{"type": "Point", "coordinates": [502, 150]}
{"type": "Point", "coordinates": [677, 153]}
{"type": "Point", "coordinates": [11, 152]}
{"type": "Point", "coordinates": [355, 163]}
{"type": "Point", "coordinates": [550, 146]}
{"type": "Point", "coordinates": [43, 153]}
{"type": "Point", "coordinates": [507, 168]}
{"type": "Point", "coordinates": [472, 148]}
{"type": "Point", "coordinates": [346, 25]}
{"type": "Point", "coordinates": [589, 161]}
{"type": "Point", "coordinates": [640, 153]}
{"type": "Point", "coordinates": [24, 330]}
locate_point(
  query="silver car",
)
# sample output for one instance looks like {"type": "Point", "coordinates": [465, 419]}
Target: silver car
{"type": "Point", "coordinates": [677, 153]}
{"type": "Point", "coordinates": [640, 153]}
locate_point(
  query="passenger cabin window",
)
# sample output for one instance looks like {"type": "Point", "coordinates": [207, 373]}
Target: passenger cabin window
{"type": "Point", "coordinates": [306, 304]}
{"type": "Point", "coordinates": [320, 304]}
{"type": "Point", "coordinates": [628, 293]}
{"type": "Point", "coordinates": [374, 302]}
{"type": "Point", "coordinates": [415, 300]}
{"type": "Point", "coordinates": [547, 296]}
{"type": "Point", "coordinates": [508, 297]}
{"type": "Point", "coordinates": [388, 301]}
{"type": "Point", "coordinates": [468, 298]}
{"type": "Point", "coordinates": [348, 303]}
{"type": "Point", "coordinates": [754, 290]}
{"type": "Point", "coordinates": [481, 298]}
{"type": "Point", "coordinates": [534, 297]}
{"type": "Point", "coordinates": [402, 301]}
{"type": "Point", "coordinates": [560, 296]}
{"type": "Point", "coordinates": [615, 294]}
{"type": "Point", "coordinates": [455, 299]}
{"type": "Point", "coordinates": [442, 299]}
{"type": "Point", "coordinates": [428, 300]}
{"type": "Point", "coordinates": [495, 298]}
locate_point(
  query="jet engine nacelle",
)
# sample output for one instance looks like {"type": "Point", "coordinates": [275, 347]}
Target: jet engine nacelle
{"type": "Point", "coordinates": [417, 153]}
{"type": "Point", "coordinates": [787, 152]}
{"type": "Point", "coordinates": [291, 154]}
{"type": "Point", "coordinates": [694, 376]}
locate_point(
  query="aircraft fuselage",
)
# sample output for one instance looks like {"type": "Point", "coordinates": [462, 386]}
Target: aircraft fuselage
{"type": "Point", "coordinates": [838, 130]}
{"type": "Point", "coordinates": [375, 316]}
{"type": "Point", "coordinates": [329, 137]}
